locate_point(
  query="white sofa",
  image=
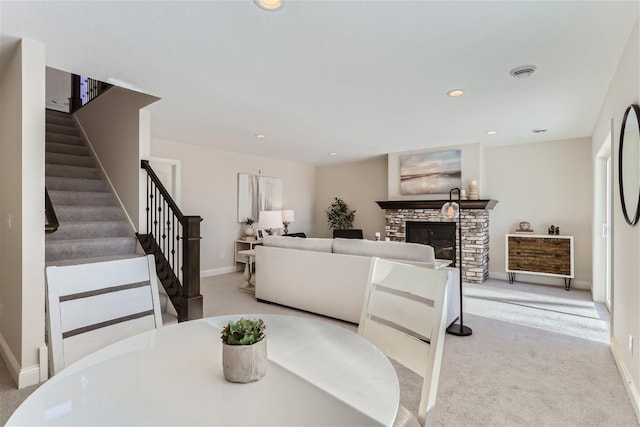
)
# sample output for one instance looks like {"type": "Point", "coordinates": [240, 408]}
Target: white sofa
{"type": "Point", "coordinates": [329, 276]}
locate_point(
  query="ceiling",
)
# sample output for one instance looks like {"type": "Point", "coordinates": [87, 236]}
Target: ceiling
{"type": "Point", "coordinates": [359, 78]}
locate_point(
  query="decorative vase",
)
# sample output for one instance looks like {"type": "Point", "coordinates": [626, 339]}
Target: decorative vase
{"type": "Point", "coordinates": [249, 231]}
{"type": "Point", "coordinates": [244, 363]}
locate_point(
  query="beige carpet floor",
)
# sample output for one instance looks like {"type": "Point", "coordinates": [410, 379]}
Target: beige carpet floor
{"type": "Point", "coordinates": [537, 357]}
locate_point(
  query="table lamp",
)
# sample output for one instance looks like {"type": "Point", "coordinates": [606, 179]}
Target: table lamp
{"type": "Point", "coordinates": [288, 217]}
{"type": "Point", "coordinates": [270, 220]}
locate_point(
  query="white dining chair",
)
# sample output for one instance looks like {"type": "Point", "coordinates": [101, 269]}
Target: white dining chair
{"type": "Point", "coordinates": [90, 306]}
{"type": "Point", "coordinates": [404, 316]}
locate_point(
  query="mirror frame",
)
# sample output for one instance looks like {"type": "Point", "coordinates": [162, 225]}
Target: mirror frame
{"type": "Point", "coordinates": [631, 219]}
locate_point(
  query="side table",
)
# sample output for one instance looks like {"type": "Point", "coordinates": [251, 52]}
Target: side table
{"type": "Point", "coordinates": [249, 284]}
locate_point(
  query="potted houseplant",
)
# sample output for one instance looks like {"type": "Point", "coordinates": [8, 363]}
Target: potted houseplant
{"type": "Point", "coordinates": [244, 350]}
{"type": "Point", "coordinates": [339, 216]}
{"type": "Point", "coordinates": [248, 229]}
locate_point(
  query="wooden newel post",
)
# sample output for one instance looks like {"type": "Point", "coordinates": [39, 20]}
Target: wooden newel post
{"type": "Point", "coordinates": [192, 300]}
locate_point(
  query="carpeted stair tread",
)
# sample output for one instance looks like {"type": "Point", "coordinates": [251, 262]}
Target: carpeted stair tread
{"type": "Point", "coordinates": [71, 171]}
{"type": "Point", "coordinates": [60, 120]}
{"type": "Point", "coordinates": [62, 148]}
{"type": "Point", "coordinates": [89, 248]}
{"type": "Point", "coordinates": [65, 130]}
{"type": "Point", "coordinates": [62, 138]}
{"type": "Point", "coordinates": [69, 159]}
{"type": "Point", "coordinates": [91, 260]}
{"type": "Point", "coordinates": [89, 229]}
{"type": "Point", "coordinates": [84, 198]}
{"type": "Point", "coordinates": [57, 113]}
{"type": "Point", "coordinates": [89, 213]}
{"type": "Point", "coordinates": [75, 184]}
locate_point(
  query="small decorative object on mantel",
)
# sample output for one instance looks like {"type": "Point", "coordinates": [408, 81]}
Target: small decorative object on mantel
{"type": "Point", "coordinates": [553, 230]}
{"type": "Point", "coordinates": [244, 350]}
{"type": "Point", "coordinates": [463, 194]}
{"type": "Point", "coordinates": [473, 191]}
{"type": "Point", "coordinates": [525, 227]}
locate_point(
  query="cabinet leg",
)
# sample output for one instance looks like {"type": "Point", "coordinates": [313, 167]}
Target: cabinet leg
{"type": "Point", "coordinates": [512, 277]}
{"type": "Point", "coordinates": [567, 283]}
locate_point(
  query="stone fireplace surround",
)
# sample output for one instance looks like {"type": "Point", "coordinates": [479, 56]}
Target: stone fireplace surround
{"type": "Point", "coordinates": [475, 229]}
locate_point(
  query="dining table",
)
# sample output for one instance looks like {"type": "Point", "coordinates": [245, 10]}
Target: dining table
{"type": "Point", "coordinates": [318, 374]}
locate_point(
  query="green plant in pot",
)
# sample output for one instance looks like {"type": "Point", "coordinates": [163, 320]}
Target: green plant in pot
{"type": "Point", "coordinates": [248, 229]}
{"type": "Point", "coordinates": [339, 216]}
{"type": "Point", "coordinates": [244, 350]}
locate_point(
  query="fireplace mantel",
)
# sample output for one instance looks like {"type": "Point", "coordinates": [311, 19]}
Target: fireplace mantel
{"type": "Point", "coordinates": [436, 204]}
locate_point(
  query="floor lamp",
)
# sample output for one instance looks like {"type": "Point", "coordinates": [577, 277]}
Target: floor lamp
{"type": "Point", "coordinates": [452, 209]}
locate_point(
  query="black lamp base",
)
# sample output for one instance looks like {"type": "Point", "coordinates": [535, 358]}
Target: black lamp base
{"type": "Point", "coordinates": [459, 330]}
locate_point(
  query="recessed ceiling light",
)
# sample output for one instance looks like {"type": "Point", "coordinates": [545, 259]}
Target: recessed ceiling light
{"type": "Point", "coordinates": [259, 135]}
{"type": "Point", "coordinates": [455, 92]}
{"type": "Point", "coordinates": [539, 130]}
{"type": "Point", "coordinates": [269, 4]}
{"type": "Point", "coordinates": [492, 132]}
{"type": "Point", "coordinates": [333, 153]}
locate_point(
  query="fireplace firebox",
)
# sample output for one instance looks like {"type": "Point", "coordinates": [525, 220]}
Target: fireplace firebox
{"type": "Point", "coordinates": [440, 235]}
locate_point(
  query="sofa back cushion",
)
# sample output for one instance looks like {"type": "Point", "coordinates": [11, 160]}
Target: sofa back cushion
{"type": "Point", "coordinates": [305, 244]}
{"type": "Point", "coordinates": [390, 250]}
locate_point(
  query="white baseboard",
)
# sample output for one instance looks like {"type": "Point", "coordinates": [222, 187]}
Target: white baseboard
{"type": "Point", "coordinates": [217, 271]}
{"type": "Point", "coordinates": [541, 280]}
{"type": "Point", "coordinates": [631, 387]}
{"type": "Point", "coordinates": [21, 377]}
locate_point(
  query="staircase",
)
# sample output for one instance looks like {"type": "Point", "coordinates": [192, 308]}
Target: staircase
{"type": "Point", "coordinates": [93, 226]}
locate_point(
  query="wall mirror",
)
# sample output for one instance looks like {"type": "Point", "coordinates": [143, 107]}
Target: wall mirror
{"type": "Point", "coordinates": [629, 164]}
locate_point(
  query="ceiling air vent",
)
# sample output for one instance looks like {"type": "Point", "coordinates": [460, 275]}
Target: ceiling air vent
{"type": "Point", "coordinates": [523, 72]}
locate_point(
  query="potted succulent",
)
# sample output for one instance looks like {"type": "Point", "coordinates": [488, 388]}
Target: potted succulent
{"type": "Point", "coordinates": [339, 216]}
{"type": "Point", "coordinates": [244, 350]}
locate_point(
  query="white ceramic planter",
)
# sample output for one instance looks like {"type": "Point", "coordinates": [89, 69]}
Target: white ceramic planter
{"type": "Point", "coordinates": [244, 363]}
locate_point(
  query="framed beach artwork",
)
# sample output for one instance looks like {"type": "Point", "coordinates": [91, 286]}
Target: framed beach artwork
{"type": "Point", "coordinates": [430, 173]}
{"type": "Point", "coordinates": [258, 193]}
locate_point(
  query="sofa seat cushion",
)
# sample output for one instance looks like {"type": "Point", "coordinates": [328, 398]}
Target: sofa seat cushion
{"type": "Point", "coordinates": [305, 244]}
{"type": "Point", "coordinates": [383, 249]}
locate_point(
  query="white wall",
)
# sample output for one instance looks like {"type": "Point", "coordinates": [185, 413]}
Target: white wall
{"type": "Point", "coordinates": [471, 159]}
{"type": "Point", "coordinates": [360, 185]}
{"type": "Point", "coordinates": [58, 90]}
{"type": "Point", "coordinates": [544, 183]}
{"type": "Point", "coordinates": [22, 101]}
{"type": "Point", "coordinates": [623, 91]}
{"type": "Point", "coordinates": [112, 125]}
{"type": "Point", "coordinates": [210, 189]}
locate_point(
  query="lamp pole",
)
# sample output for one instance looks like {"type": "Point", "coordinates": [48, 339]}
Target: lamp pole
{"type": "Point", "coordinates": [459, 329]}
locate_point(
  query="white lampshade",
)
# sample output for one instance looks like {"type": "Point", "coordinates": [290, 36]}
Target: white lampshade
{"type": "Point", "coordinates": [288, 216]}
{"type": "Point", "coordinates": [270, 219]}
{"type": "Point", "coordinates": [450, 210]}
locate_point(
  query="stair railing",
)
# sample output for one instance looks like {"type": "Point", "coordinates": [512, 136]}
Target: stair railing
{"type": "Point", "coordinates": [174, 239]}
{"type": "Point", "coordinates": [84, 89]}
{"type": "Point", "coordinates": [52, 223]}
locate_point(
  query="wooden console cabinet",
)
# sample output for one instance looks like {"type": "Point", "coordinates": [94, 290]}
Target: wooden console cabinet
{"type": "Point", "coordinates": [545, 255]}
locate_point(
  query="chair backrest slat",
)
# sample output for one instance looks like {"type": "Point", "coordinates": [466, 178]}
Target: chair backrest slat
{"type": "Point", "coordinates": [404, 315]}
{"type": "Point", "coordinates": [94, 305]}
